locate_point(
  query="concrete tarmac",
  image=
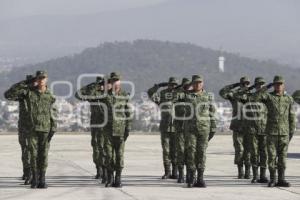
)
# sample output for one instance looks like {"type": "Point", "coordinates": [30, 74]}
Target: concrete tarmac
{"type": "Point", "coordinates": [71, 171]}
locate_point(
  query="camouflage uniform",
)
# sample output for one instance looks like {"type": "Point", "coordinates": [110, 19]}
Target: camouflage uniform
{"type": "Point", "coordinates": [43, 126]}
{"type": "Point", "coordinates": [296, 96]}
{"type": "Point", "coordinates": [241, 140]}
{"type": "Point", "coordinates": [280, 128]}
{"type": "Point", "coordinates": [165, 100]}
{"type": "Point", "coordinates": [117, 129]}
{"type": "Point", "coordinates": [93, 94]}
{"type": "Point", "coordinates": [199, 130]}
{"type": "Point", "coordinates": [24, 126]}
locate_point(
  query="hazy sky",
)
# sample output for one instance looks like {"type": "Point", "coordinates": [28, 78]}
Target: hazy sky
{"type": "Point", "coordinates": [20, 8]}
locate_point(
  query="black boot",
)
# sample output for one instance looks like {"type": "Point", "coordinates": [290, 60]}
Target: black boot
{"type": "Point", "coordinates": [174, 172]}
{"type": "Point", "coordinates": [191, 179]}
{"type": "Point", "coordinates": [104, 175]}
{"type": "Point", "coordinates": [247, 172]}
{"type": "Point", "coordinates": [167, 174]}
{"type": "Point", "coordinates": [281, 179]}
{"type": "Point", "coordinates": [272, 178]}
{"type": "Point", "coordinates": [255, 174]}
{"type": "Point", "coordinates": [200, 181]}
{"type": "Point", "coordinates": [118, 182]}
{"type": "Point", "coordinates": [34, 181]}
{"type": "Point", "coordinates": [187, 176]}
{"type": "Point", "coordinates": [98, 175]}
{"type": "Point", "coordinates": [240, 171]}
{"type": "Point", "coordinates": [263, 177]}
{"type": "Point", "coordinates": [42, 183]}
{"type": "Point", "coordinates": [110, 179]}
{"type": "Point", "coordinates": [28, 177]}
{"type": "Point", "coordinates": [180, 176]}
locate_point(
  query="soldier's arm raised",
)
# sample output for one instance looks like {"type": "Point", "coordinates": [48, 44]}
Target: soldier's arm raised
{"type": "Point", "coordinates": [84, 94]}
{"type": "Point", "coordinates": [227, 91]}
{"type": "Point", "coordinates": [17, 91]}
{"type": "Point", "coordinates": [153, 94]}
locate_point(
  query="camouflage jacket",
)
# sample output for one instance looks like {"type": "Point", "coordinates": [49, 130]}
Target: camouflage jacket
{"type": "Point", "coordinates": [281, 117]}
{"type": "Point", "coordinates": [228, 93]}
{"type": "Point", "coordinates": [200, 111]}
{"type": "Point", "coordinates": [94, 96]}
{"type": "Point", "coordinates": [119, 113]}
{"type": "Point", "coordinates": [180, 112]}
{"type": "Point", "coordinates": [40, 106]}
{"type": "Point", "coordinates": [255, 112]}
{"type": "Point", "coordinates": [165, 100]}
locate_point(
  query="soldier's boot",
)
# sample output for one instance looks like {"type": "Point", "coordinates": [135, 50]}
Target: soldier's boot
{"type": "Point", "coordinates": [98, 175]}
{"type": "Point", "coordinates": [174, 172]}
{"type": "Point", "coordinates": [263, 178]}
{"type": "Point", "coordinates": [247, 172]}
{"type": "Point", "coordinates": [167, 174]}
{"type": "Point", "coordinates": [187, 176]}
{"type": "Point", "coordinates": [200, 181]}
{"type": "Point", "coordinates": [191, 179]}
{"type": "Point", "coordinates": [272, 181]}
{"type": "Point", "coordinates": [34, 181]}
{"type": "Point", "coordinates": [28, 177]}
{"type": "Point", "coordinates": [42, 183]}
{"type": "Point", "coordinates": [104, 175]}
{"type": "Point", "coordinates": [240, 171]}
{"type": "Point", "coordinates": [281, 179]}
{"type": "Point", "coordinates": [110, 179]}
{"type": "Point", "coordinates": [180, 175]}
{"type": "Point", "coordinates": [99, 172]}
{"type": "Point", "coordinates": [118, 182]}
{"type": "Point", "coordinates": [255, 174]}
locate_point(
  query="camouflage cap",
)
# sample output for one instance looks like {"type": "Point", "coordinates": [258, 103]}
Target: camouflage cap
{"type": "Point", "coordinates": [259, 81]}
{"type": "Point", "coordinates": [114, 76]}
{"type": "Point", "coordinates": [41, 74]}
{"type": "Point", "coordinates": [29, 77]}
{"type": "Point", "coordinates": [172, 80]}
{"type": "Point", "coordinates": [197, 78]}
{"type": "Point", "coordinates": [278, 79]}
{"type": "Point", "coordinates": [185, 81]}
{"type": "Point", "coordinates": [99, 79]}
{"type": "Point", "coordinates": [244, 79]}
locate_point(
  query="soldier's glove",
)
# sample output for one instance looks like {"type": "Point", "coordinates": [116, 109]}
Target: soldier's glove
{"type": "Point", "coordinates": [164, 84]}
{"type": "Point", "coordinates": [211, 135]}
{"type": "Point", "coordinates": [126, 134]}
{"type": "Point", "coordinates": [51, 133]}
{"type": "Point", "coordinates": [270, 85]}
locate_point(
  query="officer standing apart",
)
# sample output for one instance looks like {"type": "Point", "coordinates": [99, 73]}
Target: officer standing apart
{"type": "Point", "coordinates": [280, 128]}
{"type": "Point", "coordinates": [201, 128]}
{"type": "Point", "coordinates": [240, 138]}
{"type": "Point", "coordinates": [164, 99]}
{"type": "Point", "coordinates": [43, 124]}
{"type": "Point", "coordinates": [118, 126]}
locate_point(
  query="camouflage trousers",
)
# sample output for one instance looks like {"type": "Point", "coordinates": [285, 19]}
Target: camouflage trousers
{"type": "Point", "coordinates": [25, 153]}
{"type": "Point", "coordinates": [259, 152]}
{"type": "Point", "coordinates": [168, 143]}
{"type": "Point", "coordinates": [180, 145]}
{"type": "Point", "coordinates": [97, 142]}
{"type": "Point", "coordinates": [114, 152]}
{"type": "Point", "coordinates": [277, 151]}
{"type": "Point", "coordinates": [39, 147]}
{"type": "Point", "coordinates": [196, 151]}
{"type": "Point", "coordinates": [241, 143]}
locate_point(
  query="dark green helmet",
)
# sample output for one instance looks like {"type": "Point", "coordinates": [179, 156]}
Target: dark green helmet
{"type": "Point", "coordinates": [197, 78]}
{"type": "Point", "coordinates": [114, 76]}
{"type": "Point", "coordinates": [259, 81]}
{"type": "Point", "coordinates": [172, 80]}
{"type": "Point", "coordinates": [244, 80]}
{"type": "Point", "coordinates": [185, 81]}
{"type": "Point", "coordinates": [41, 74]}
{"type": "Point", "coordinates": [278, 79]}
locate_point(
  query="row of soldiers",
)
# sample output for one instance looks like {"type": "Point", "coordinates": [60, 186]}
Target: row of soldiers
{"type": "Point", "coordinates": [263, 123]}
{"type": "Point", "coordinates": [110, 125]}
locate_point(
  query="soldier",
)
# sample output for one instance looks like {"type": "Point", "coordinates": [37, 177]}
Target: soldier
{"type": "Point", "coordinates": [296, 96]}
{"type": "Point", "coordinates": [179, 122]}
{"type": "Point", "coordinates": [280, 129]}
{"type": "Point", "coordinates": [240, 138]}
{"type": "Point", "coordinates": [164, 99]}
{"type": "Point", "coordinates": [24, 125]}
{"type": "Point", "coordinates": [42, 122]}
{"type": "Point", "coordinates": [257, 114]}
{"type": "Point", "coordinates": [117, 129]}
{"type": "Point", "coordinates": [201, 128]}
{"type": "Point", "coordinates": [93, 93]}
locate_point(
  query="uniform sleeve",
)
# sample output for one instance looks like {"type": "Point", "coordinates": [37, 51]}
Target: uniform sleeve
{"type": "Point", "coordinates": [17, 91]}
{"type": "Point", "coordinates": [129, 115]}
{"type": "Point", "coordinates": [153, 95]}
{"type": "Point", "coordinates": [227, 92]}
{"type": "Point", "coordinates": [85, 93]}
{"type": "Point", "coordinates": [54, 116]}
{"type": "Point", "coordinates": [212, 115]}
{"type": "Point", "coordinates": [292, 119]}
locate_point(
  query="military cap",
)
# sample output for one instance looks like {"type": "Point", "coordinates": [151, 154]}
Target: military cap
{"type": "Point", "coordinates": [172, 80]}
{"type": "Point", "coordinates": [197, 78]}
{"type": "Point", "coordinates": [259, 81]}
{"type": "Point", "coordinates": [278, 79]}
{"type": "Point", "coordinates": [244, 79]}
{"type": "Point", "coordinates": [114, 76]}
{"type": "Point", "coordinates": [29, 77]}
{"type": "Point", "coordinates": [99, 79]}
{"type": "Point", "coordinates": [185, 81]}
{"type": "Point", "coordinates": [41, 74]}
